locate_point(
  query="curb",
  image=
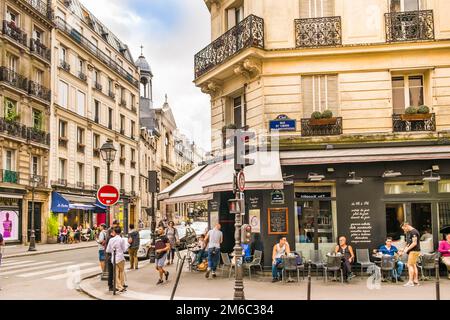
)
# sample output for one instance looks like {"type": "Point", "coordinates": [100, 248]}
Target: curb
{"type": "Point", "coordinates": [80, 288]}
{"type": "Point", "coordinates": [35, 253]}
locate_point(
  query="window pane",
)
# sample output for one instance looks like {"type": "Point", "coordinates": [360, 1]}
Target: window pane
{"type": "Point", "coordinates": [444, 186]}
{"type": "Point", "coordinates": [411, 5]}
{"type": "Point", "coordinates": [416, 81]}
{"type": "Point", "coordinates": [398, 82]}
{"type": "Point", "coordinates": [406, 187]}
{"type": "Point", "coordinates": [63, 94]}
{"type": "Point", "coordinates": [81, 101]}
{"type": "Point", "coordinates": [416, 96]}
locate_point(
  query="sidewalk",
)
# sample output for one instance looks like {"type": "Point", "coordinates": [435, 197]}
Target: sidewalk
{"type": "Point", "coordinates": [194, 286]}
{"type": "Point", "coordinates": [20, 250]}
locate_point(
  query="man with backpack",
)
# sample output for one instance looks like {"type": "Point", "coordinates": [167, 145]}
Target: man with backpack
{"type": "Point", "coordinates": [134, 241]}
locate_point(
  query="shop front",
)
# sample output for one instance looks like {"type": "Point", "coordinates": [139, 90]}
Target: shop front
{"type": "Point", "coordinates": [11, 217]}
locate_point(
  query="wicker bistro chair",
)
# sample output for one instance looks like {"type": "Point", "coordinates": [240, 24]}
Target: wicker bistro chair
{"type": "Point", "coordinates": [363, 259]}
{"type": "Point", "coordinates": [388, 265]}
{"type": "Point", "coordinates": [226, 263]}
{"type": "Point", "coordinates": [316, 261]}
{"type": "Point", "coordinates": [255, 263]}
{"type": "Point", "coordinates": [289, 265]}
{"type": "Point", "coordinates": [427, 262]}
{"type": "Point", "coordinates": [334, 264]}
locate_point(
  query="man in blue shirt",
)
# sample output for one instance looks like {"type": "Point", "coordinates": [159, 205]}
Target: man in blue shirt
{"type": "Point", "coordinates": [389, 249]}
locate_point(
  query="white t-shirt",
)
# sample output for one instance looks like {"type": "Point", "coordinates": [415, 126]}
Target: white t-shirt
{"type": "Point", "coordinates": [214, 238]}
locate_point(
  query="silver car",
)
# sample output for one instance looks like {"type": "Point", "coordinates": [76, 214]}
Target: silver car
{"type": "Point", "coordinates": [145, 243]}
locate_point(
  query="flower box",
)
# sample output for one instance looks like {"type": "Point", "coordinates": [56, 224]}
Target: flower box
{"type": "Point", "coordinates": [322, 122]}
{"type": "Point", "coordinates": [416, 117]}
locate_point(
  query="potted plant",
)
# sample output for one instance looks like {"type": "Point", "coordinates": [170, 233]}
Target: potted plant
{"type": "Point", "coordinates": [416, 113]}
{"type": "Point", "coordinates": [52, 229]}
{"type": "Point", "coordinates": [322, 119]}
{"type": "Point", "coordinates": [12, 116]}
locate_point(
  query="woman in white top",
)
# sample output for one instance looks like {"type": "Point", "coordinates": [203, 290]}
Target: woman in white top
{"type": "Point", "coordinates": [279, 250]}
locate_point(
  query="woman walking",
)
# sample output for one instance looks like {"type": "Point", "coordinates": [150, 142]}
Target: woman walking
{"type": "Point", "coordinates": [172, 235]}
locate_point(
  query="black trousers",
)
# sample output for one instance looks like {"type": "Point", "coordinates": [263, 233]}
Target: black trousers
{"type": "Point", "coordinates": [110, 273]}
{"type": "Point", "coordinates": [347, 267]}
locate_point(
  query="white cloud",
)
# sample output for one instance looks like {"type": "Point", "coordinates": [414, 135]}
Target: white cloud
{"type": "Point", "coordinates": [170, 44]}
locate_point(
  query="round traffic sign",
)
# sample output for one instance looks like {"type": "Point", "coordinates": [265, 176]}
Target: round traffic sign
{"type": "Point", "coordinates": [241, 181]}
{"type": "Point", "coordinates": [108, 195]}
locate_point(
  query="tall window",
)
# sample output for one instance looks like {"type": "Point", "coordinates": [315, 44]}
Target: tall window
{"type": "Point", "coordinates": [12, 62]}
{"type": "Point", "coordinates": [38, 35]}
{"type": "Point", "coordinates": [63, 94]}
{"type": "Point", "coordinates": [38, 76]}
{"type": "Point", "coordinates": [320, 93]}
{"type": "Point", "coordinates": [80, 172]}
{"type": "Point", "coordinates": [12, 16]}
{"type": "Point", "coordinates": [10, 160]}
{"type": "Point", "coordinates": [406, 5]}
{"type": "Point", "coordinates": [97, 77]}
{"type": "Point", "coordinates": [122, 151]}
{"type": "Point", "coordinates": [316, 8]}
{"type": "Point", "coordinates": [63, 54]}
{"type": "Point", "coordinates": [133, 125]}
{"type": "Point", "coordinates": [80, 136]}
{"type": "Point", "coordinates": [37, 119]}
{"type": "Point", "coordinates": [167, 145]}
{"type": "Point", "coordinates": [10, 108]}
{"type": "Point", "coordinates": [35, 165]}
{"type": "Point", "coordinates": [96, 176]}
{"type": "Point", "coordinates": [96, 141]}
{"type": "Point", "coordinates": [62, 129]}
{"type": "Point", "coordinates": [234, 16]}
{"type": "Point", "coordinates": [238, 112]}
{"type": "Point", "coordinates": [110, 86]}
{"type": "Point", "coordinates": [81, 103]}
{"type": "Point", "coordinates": [81, 65]}
{"type": "Point", "coordinates": [132, 183]}
{"type": "Point", "coordinates": [96, 111]}
{"type": "Point", "coordinates": [133, 155]}
{"type": "Point", "coordinates": [122, 124]}
{"type": "Point", "coordinates": [62, 168]}
{"type": "Point", "coordinates": [122, 181]}
{"type": "Point", "coordinates": [407, 91]}
{"type": "Point", "coordinates": [110, 118]}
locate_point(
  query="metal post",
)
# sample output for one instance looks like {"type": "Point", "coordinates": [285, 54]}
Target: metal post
{"type": "Point", "coordinates": [180, 269]}
{"type": "Point", "coordinates": [438, 289]}
{"type": "Point", "coordinates": [153, 230]}
{"type": "Point", "coordinates": [33, 232]}
{"type": "Point", "coordinates": [308, 295]}
{"type": "Point", "coordinates": [108, 177]}
{"type": "Point", "coordinates": [114, 272]}
{"type": "Point", "coordinates": [239, 282]}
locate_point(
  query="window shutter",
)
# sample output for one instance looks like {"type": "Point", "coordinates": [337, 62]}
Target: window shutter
{"type": "Point", "coordinates": [307, 96]}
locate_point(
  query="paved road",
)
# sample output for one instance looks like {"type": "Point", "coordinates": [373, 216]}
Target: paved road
{"type": "Point", "coordinates": [48, 276]}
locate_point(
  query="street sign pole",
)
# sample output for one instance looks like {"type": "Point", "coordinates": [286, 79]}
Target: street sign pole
{"type": "Point", "coordinates": [239, 279]}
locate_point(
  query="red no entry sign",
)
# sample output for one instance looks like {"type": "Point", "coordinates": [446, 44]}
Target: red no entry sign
{"type": "Point", "coordinates": [108, 195]}
{"type": "Point", "coordinates": [241, 181]}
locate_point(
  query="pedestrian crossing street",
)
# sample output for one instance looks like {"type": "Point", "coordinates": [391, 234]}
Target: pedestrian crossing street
{"type": "Point", "coordinates": [49, 270]}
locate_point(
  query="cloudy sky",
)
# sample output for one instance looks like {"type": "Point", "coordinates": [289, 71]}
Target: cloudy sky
{"type": "Point", "coordinates": [171, 31]}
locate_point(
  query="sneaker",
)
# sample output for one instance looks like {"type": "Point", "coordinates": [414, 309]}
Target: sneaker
{"type": "Point", "coordinates": [274, 280]}
{"type": "Point", "coordinates": [409, 284]}
{"type": "Point", "coordinates": [416, 284]}
{"type": "Point", "coordinates": [207, 273]}
{"type": "Point", "coordinates": [111, 289]}
{"type": "Point", "coordinates": [160, 281]}
{"type": "Point", "coordinates": [214, 274]}
{"type": "Point", "coordinates": [351, 275]}
{"type": "Point", "coordinates": [399, 279]}
{"type": "Point", "coordinates": [167, 275]}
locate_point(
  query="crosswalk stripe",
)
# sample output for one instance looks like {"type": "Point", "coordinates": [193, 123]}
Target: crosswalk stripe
{"type": "Point", "coordinates": [32, 274]}
{"type": "Point", "coordinates": [16, 263]}
{"type": "Point", "coordinates": [21, 266]}
{"type": "Point", "coordinates": [65, 275]}
{"type": "Point", "coordinates": [8, 261]}
{"type": "Point", "coordinates": [33, 268]}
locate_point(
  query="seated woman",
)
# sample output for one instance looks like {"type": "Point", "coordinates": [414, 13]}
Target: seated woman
{"type": "Point", "coordinates": [62, 237]}
{"type": "Point", "coordinates": [348, 257]}
{"type": "Point", "coordinates": [201, 254]}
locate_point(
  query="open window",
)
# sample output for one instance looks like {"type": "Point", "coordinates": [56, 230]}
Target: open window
{"type": "Point", "coordinates": [235, 14]}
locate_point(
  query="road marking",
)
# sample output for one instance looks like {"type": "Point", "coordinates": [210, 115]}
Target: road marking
{"type": "Point", "coordinates": [21, 266]}
{"type": "Point", "coordinates": [33, 268]}
{"type": "Point", "coordinates": [67, 274]}
{"type": "Point", "coordinates": [16, 263]}
{"type": "Point", "coordinates": [32, 274]}
{"type": "Point", "coordinates": [8, 261]}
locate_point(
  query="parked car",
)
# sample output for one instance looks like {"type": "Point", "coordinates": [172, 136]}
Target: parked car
{"type": "Point", "coordinates": [145, 244]}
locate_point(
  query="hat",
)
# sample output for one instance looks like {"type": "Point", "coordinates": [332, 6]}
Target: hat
{"type": "Point", "coordinates": [115, 222]}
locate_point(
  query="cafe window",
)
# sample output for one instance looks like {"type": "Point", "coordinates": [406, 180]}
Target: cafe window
{"type": "Point", "coordinates": [444, 186]}
{"type": "Point", "coordinates": [407, 91]}
{"type": "Point", "coordinates": [406, 187]}
{"type": "Point", "coordinates": [444, 217]}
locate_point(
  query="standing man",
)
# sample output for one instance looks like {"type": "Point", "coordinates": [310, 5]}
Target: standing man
{"type": "Point", "coordinates": [214, 238]}
{"type": "Point", "coordinates": [101, 246]}
{"type": "Point", "coordinates": [116, 243]}
{"type": "Point", "coordinates": [134, 241]}
{"type": "Point", "coordinates": [162, 247]}
{"type": "Point", "coordinates": [413, 251]}
{"type": "Point", "coordinates": [108, 258]}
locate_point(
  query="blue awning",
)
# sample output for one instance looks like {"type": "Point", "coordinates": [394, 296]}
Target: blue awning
{"type": "Point", "coordinates": [59, 203]}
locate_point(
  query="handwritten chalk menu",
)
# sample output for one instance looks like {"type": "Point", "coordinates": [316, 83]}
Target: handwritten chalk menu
{"type": "Point", "coordinates": [278, 220]}
{"type": "Point", "coordinates": [360, 223]}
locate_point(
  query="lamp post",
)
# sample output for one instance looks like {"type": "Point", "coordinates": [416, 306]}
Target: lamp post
{"type": "Point", "coordinates": [108, 153]}
{"type": "Point", "coordinates": [34, 180]}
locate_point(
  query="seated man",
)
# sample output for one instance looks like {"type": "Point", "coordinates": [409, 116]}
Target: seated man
{"type": "Point", "coordinates": [246, 252]}
{"type": "Point", "coordinates": [201, 253]}
{"type": "Point", "coordinates": [280, 250]}
{"type": "Point", "coordinates": [391, 250]}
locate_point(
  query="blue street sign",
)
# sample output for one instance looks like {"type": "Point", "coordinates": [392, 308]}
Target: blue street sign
{"type": "Point", "coordinates": [283, 123]}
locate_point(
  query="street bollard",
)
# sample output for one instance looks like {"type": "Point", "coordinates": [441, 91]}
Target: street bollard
{"type": "Point", "coordinates": [180, 269]}
{"type": "Point", "coordinates": [438, 289]}
{"type": "Point", "coordinates": [309, 281]}
{"type": "Point", "coordinates": [114, 272]}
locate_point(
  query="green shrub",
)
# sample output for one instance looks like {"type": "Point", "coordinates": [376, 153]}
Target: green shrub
{"type": "Point", "coordinates": [411, 110]}
{"type": "Point", "coordinates": [424, 110]}
{"type": "Point", "coordinates": [316, 115]}
{"type": "Point", "coordinates": [52, 225]}
{"type": "Point", "coordinates": [327, 114]}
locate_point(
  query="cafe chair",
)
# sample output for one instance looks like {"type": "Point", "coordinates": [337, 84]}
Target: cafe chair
{"type": "Point", "coordinates": [226, 263]}
{"type": "Point", "coordinates": [427, 262]}
{"type": "Point", "coordinates": [289, 265]}
{"type": "Point", "coordinates": [316, 261]}
{"type": "Point", "coordinates": [388, 266]}
{"type": "Point", "coordinates": [300, 263]}
{"type": "Point", "coordinates": [255, 263]}
{"type": "Point", "coordinates": [179, 258]}
{"type": "Point", "coordinates": [363, 259]}
{"type": "Point", "coordinates": [333, 265]}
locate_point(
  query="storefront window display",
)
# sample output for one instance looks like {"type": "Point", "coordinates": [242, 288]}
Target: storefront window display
{"type": "Point", "coordinates": [9, 225]}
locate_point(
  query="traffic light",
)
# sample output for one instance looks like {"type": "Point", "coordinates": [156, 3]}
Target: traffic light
{"type": "Point", "coordinates": [236, 206]}
{"type": "Point", "coordinates": [246, 234]}
{"type": "Point", "coordinates": [153, 182]}
{"type": "Point", "coordinates": [242, 148]}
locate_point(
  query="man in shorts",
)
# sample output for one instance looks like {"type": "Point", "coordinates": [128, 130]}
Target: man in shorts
{"type": "Point", "coordinates": [162, 247]}
{"type": "Point", "coordinates": [413, 251]}
{"type": "Point", "coordinates": [101, 246]}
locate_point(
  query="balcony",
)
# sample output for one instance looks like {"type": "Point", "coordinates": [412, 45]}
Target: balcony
{"type": "Point", "coordinates": [15, 33]}
{"type": "Point", "coordinates": [9, 176]}
{"type": "Point", "coordinates": [96, 152]}
{"type": "Point", "coordinates": [98, 86]}
{"type": "Point", "coordinates": [93, 49]}
{"type": "Point", "coordinates": [39, 91]}
{"type": "Point", "coordinates": [64, 65]}
{"type": "Point", "coordinates": [248, 33]}
{"type": "Point", "coordinates": [40, 181]}
{"type": "Point", "coordinates": [17, 130]}
{"type": "Point", "coordinates": [13, 79]}
{"type": "Point", "coordinates": [82, 76]}
{"type": "Point", "coordinates": [80, 147]}
{"type": "Point", "coordinates": [409, 26]}
{"type": "Point", "coordinates": [414, 123]}
{"type": "Point", "coordinates": [111, 94]}
{"type": "Point", "coordinates": [39, 49]}
{"type": "Point", "coordinates": [321, 127]}
{"type": "Point", "coordinates": [60, 182]}
{"type": "Point", "coordinates": [123, 103]}
{"type": "Point", "coordinates": [80, 185]}
{"type": "Point", "coordinates": [62, 142]}
{"type": "Point", "coordinates": [318, 32]}
{"type": "Point", "coordinates": [41, 7]}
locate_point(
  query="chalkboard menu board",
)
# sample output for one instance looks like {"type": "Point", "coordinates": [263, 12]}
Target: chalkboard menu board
{"type": "Point", "coordinates": [360, 222]}
{"type": "Point", "coordinates": [278, 220]}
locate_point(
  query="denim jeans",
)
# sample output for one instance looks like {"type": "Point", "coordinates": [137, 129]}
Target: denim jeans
{"type": "Point", "coordinates": [213, 259]}
{"type": "Point", "coordinates": [200, 256]}
{"type": "Point", "coordinates": [275, 271]}
{"type": "Point", "coordinates": [400, 266]}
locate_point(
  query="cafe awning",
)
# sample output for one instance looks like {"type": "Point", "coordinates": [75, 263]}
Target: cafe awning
{"type": "Point", "coordinates": [364, 155]}
{"type": "Point", "coordinates": [59, 203]}
{"type": "Point", "coordinates": [202, 182]}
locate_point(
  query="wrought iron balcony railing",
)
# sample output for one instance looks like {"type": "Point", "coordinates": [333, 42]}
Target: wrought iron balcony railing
{"type": "Point", "coordinates": [13, 78]}
{"type": "Point", "coordinates": [80, 185]}
{"type": "Point", "coordinates": [82, 76]}
{"type": "Point", "coordinates": [59, 182]}
{"type": "Point", "coordinates": [248, 33]}
{"type": "Point", "coordinates": [18, 130]}
{"type": "Point", "coordinates": [38, 180]}
{"type": "Point", "coordinates": [111, 94]}
{"type": "Point", "coordinates": [9, 176]}
{"type": "Point", "coordinates": [65, 65]}
{"type": "Point", "coordinates": [409, 26]}
{"type": "Point", "coordinates": [411, 123]}
{"type": "Point", "coordinates": [11, 30]}
{"type": "Point", "coordinates": [98, 86]}
{"type": "Point", "coordinates": [41, 7]}
{"type": "Point", "coordinates": [322, 127]}
{"type": "Point", "coordinates": [39, 91]}
{"type": "Point", "coordinates": [42, 51]}
{"type": "Point", "coordinates": [96, 152]}
{"type": "Point", "coordinates": [318, 32]}
{"type": "Point", "coordinates": [93, 49]}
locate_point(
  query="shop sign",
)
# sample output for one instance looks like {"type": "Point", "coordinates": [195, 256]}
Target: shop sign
{"type": "Point", "coordinates": [9, 225]}
{"type": "Point", "coordinates": [255, 220]}
{"type": "Point", "coordinates": [319, 195]}
{"type": "Point", "coordinates": [283, 123]}
{"type": "Point", "coordinates": [277, 197]}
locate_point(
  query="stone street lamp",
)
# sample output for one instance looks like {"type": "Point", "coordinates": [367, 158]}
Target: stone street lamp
{"type": "Point", "coordinates": [108, 153]}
